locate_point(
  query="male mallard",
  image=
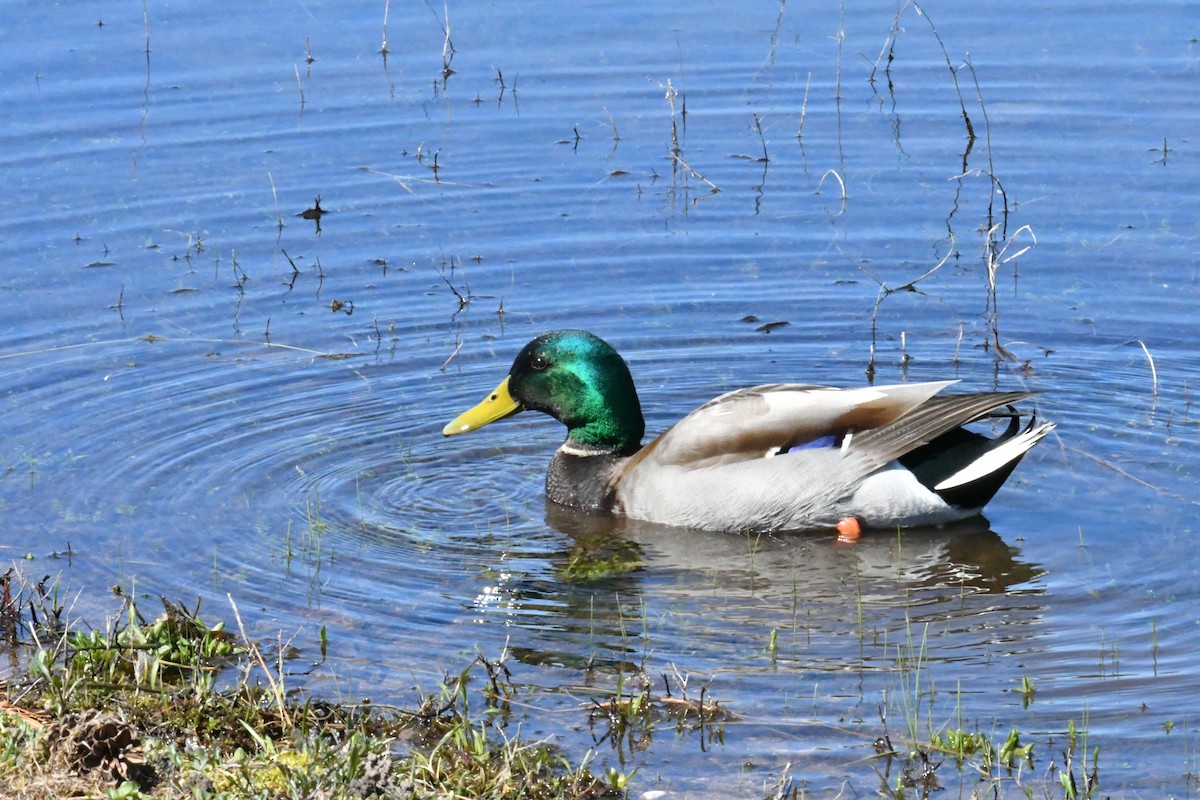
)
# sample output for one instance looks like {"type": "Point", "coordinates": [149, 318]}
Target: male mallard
{"type": "Point", "coordinates": [774, 457]}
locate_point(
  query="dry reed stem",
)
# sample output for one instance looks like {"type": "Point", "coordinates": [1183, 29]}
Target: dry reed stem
{"type": "Point", "coordinates": [1153, 371]}
{"type": "Point", "coordinates": [616, 134]}
{"type": "Point", "coordinates": [275, 194]}
{"type": "Point", "coordinates": [671, 94]}
{"type": "Point", "coordinates": [383, 48]}
{"type": "Point", "coordinates": [841, 183]}
{"type": "Point", "coordinates": [994, 260]}
{"type": "Point", "coordinates": [396, 178]}
{"type": "Point", "coordinates": [987, 138]}
{"type": "Point", "coordinates": [804, 109]}
{"type": "Point", "coordinates": [890, 42]}
{"type": "Point", "coordinates": [679, 159]}
{"type": "Point", "coordinates": [762, 139]}
{"type": "Point", "coordinates": [300, 86]}
{"type": "Point", "coordinates": [1126, 474]}
{"type": "Point", "coordinates": [448, 50]}
{"type": "Point", "coordinates": [252, 648]}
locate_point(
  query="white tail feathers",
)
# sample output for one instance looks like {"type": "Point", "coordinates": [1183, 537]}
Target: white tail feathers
{"type": "Point", "coordinates": [996, 458]}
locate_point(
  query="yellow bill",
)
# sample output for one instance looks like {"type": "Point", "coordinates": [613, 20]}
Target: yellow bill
{"type": "Point", "coordinates": [497, 405]}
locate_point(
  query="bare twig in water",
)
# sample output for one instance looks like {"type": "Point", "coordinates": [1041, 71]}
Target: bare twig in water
{"type": "Point", "coordinates": [995, 259]}
{"type": "Point", "coordinates": [1126, 474]}
{"type": "Point", "coordinates": [997, 239]}
{"type": "Point", "coordinates": [999, 246]}
{"type": "Point", "coordinates": [458, 345]}
{"type": "Point", "coordinates": [396, 178]}
{"type": "Point", "coordinates": [383, 48]}
{"type": "Point", "coordinates": [275, 194]}
{"type": "Point", "coordinates": [405, 180]}
{"type": "Point", "coordinates": [464, 300]}
{"type": "Point", "coordinates": [987, 139]}
{"type": "Point", "coordinates": [888, 50]}
{"type": "Point", "coordinates": [840, 38]}
{"type": "Point", "coordinates": [679, 160]}
{"type": "Point", "coordinates": [447, 45]}
{"type": "Point", "coordinates": [804, 110]}
{"type": "Point", "coordinates": [613, 122]}
{"type": "Point", "coordinates": [671, 94]}
{"type": "Point", "coordinates": [886, 291]}
{"type": "Point", "coordinates": [448, 50]}
{"type": "Point", "coordinates": [119, 307]}
{"type": "Point", "coordinates": [842, 184]}
{"type": "Point", "coordinates": [299, 85]}
{"type": "Point", "coordinates": [775, 33]}
{"type": "Point", "coordinates": [762, 139]}
{"type": "Point", "coordinates": [1153, 371]}
{"type": "Point", "coordinates": [1164, 152]}
{"type": "Point", "coordinates": [954, 77]}
{"type": "Point", "coordinates": [295, 269]}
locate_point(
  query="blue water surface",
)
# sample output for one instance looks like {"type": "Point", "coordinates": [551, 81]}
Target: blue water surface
{"type": "Point", "coordinates": [210, 394]}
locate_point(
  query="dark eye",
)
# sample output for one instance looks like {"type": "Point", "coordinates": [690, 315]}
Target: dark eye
{"type": "Point", "coordinates": [539, 363]}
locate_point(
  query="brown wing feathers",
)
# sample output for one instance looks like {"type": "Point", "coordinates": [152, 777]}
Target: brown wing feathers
{"type": "Point", "coordinates": [928, 421]}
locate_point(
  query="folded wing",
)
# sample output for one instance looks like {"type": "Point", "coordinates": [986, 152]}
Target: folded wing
{"type": "Point", "coordinates": [763, 421]}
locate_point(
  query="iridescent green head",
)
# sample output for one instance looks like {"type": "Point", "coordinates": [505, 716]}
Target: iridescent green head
{"type": "Point", "coordinates": [575, 377]}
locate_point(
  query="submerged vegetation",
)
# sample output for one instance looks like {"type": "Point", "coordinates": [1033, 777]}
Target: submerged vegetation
{"type": "Point", "coordinates": [991, 767]}
{"type": "Point", "coordinates": [1000, 764]}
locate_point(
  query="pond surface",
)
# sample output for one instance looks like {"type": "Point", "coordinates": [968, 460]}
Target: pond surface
{"type": "Point", "coordinates": [208, 393]}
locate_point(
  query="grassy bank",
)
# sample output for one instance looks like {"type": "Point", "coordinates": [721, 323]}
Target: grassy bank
{"type": "Point", "coordinates": [170, 706]}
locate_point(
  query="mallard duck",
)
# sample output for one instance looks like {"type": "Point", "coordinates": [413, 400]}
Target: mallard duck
{"type": "Point", "coordinates": [770, 458]}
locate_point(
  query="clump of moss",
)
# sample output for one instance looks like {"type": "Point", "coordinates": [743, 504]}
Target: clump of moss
{"type": "Point", "coordinates": [590, 561]}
